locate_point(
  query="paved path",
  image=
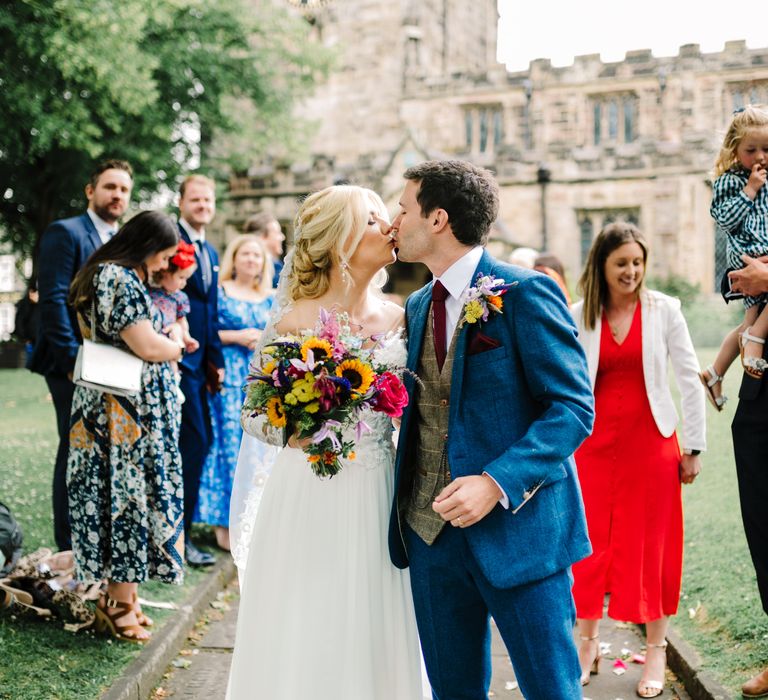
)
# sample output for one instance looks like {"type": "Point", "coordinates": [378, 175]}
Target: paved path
{"type": "Point", "coordinates": [200, 671]}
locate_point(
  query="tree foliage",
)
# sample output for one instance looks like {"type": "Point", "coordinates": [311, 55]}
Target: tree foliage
{"type": "Point", "coordinates": [161, 83]}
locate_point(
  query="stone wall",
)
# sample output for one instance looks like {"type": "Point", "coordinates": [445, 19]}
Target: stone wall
{"type": "Point", "coordinates": [571, 146]}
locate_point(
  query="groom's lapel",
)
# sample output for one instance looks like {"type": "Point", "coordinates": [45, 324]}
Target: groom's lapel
{"type": "Point", "coordinates": [485, 266]}
{"type": "Point", "coordinates": [417, 324]}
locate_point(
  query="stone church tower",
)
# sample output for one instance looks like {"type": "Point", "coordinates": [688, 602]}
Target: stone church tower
{"type": "Point", "coordinates": [385, 49]}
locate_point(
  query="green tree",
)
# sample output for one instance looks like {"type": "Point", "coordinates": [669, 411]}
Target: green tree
{"type": "Point", "coordinates": [160, 83]}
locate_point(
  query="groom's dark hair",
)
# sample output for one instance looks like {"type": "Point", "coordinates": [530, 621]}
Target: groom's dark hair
{"type": "Point", "coordinates": [467, 193]}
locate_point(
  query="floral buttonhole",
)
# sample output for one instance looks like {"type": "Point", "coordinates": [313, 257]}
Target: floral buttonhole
{"type": "Point", "coordinates": [483, 299]}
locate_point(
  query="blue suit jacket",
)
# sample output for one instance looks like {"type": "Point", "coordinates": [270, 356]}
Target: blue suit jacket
{"type": "Point", "coordinates": [203, 315]}
{"type": "Point", "coordinates": [65, 246]}
{"type": "Point", "coordinates": [517, 411]}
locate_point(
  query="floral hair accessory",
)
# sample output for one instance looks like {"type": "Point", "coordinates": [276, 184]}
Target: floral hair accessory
{"type": "Point", "coordinates": [185, 256]}
{"type": "Point", "coordinates": [483, 298]}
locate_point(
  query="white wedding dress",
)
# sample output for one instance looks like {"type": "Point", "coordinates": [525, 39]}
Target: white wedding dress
{"type": "Point", "coordinates": [324, 614]}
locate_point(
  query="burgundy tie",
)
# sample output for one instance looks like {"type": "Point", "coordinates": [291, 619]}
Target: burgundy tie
{"type": "Point", "coordinates": [439, 295]}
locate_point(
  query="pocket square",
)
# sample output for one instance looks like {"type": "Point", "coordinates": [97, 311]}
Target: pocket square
{"type": "Point", "coordinates": [482, 343]}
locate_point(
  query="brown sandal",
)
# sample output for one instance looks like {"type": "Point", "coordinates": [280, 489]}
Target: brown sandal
{"type": "Point", "coordinates": [144, 620]}
{"type": "Point", "coordinates": [107, 621]}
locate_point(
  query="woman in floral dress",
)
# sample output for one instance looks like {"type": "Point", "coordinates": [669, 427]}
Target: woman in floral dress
{"type": "Point", "coordinates": [124, 470]}
{"type": "Point", "coordinates": [245, 300]}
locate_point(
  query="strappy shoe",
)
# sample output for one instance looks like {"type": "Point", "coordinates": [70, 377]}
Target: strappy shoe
{"type": "Point", "coordinates": [754, 366]}
{"type": "Point", "coordinates": [109, 612]}
{"type": "Point", "coordinates": [20, 602]}
{"type": "Point", "coordinates": [144, 620]}
{"type": "Point", "coordinates": [710, 379]}
{"type": "Point", "coordinates": [594, 666]}
{"type": "Point", "coordinates": [652, 688]}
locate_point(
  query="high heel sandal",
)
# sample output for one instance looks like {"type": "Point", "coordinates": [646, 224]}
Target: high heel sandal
{"type": "Point", "coordinates": [649, 688]}
{"type": "Point", "coordinates": [107, 621]}
{"type": "Point", "coordinates": [144, 620]}
{"type": "Point", "coordinates": [594, 668]}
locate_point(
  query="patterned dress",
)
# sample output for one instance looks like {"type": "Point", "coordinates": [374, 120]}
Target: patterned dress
{"type": "Point", "coordinates": [219, 469]}
{"type": "Point", "coordinates": [743, 219]}
{"type": "Point", "coordinates": [172, 306]}
{"type": "Point", "coordinates": [124, 480]}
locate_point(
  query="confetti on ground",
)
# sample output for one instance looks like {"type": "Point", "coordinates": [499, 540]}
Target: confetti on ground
{"type": "Point", "coordinates": [510, 685]}
{"type": "Point", "coordinates": [638, 659]}
{"type": "Point", "coordinates": [619, 667]}
{"type": "Point", "coordinates": [181, 663]}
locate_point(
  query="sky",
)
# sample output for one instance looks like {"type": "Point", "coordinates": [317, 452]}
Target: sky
{"type": "Point", "coordinates": [563, 29]}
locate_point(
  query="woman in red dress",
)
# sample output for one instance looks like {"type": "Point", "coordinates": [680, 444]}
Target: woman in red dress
{"type": "Point", "coordinates": [631, 467]}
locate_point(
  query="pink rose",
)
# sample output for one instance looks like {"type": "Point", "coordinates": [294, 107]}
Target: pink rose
{"type": "Point", "coordinates": [391, 396]}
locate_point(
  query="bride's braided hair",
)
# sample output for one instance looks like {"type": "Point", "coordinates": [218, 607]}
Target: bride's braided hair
{"type": "Point", "coordinates": [328, 228]}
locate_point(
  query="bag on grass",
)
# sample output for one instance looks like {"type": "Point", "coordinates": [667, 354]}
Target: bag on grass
{"type": "Point", "coordinates": [10, 540]}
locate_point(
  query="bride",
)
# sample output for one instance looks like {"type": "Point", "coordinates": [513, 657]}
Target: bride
{"type": "Point", "coordinates": [323, 612]}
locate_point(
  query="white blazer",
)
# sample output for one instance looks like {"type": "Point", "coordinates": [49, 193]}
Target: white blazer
{"type": "Point", "coordinates": [665, 338]}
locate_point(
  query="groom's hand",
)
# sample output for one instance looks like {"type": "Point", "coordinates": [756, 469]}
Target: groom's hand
{"type": "Point", "coordinates": [467, 500]}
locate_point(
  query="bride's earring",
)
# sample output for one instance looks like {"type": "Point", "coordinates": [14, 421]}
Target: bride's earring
{"type": "Point", "coordinates": [345, 272]}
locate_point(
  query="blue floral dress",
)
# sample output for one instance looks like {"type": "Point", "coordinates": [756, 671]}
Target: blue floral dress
{"type": "Point", "coordinates": [219, 469]}
{"type": "Point", "coordinates": [126, 494]}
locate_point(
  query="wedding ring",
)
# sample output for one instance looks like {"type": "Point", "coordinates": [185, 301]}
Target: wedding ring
{"type": "Point", "coordinates": [458, 520]}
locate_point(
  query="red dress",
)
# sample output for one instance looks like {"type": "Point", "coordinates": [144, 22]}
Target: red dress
{"type": "Point", "coordinates": [630, 481]}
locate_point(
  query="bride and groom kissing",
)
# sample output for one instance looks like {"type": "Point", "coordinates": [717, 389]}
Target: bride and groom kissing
{"type": "Point", "coordinates": [481, 515]}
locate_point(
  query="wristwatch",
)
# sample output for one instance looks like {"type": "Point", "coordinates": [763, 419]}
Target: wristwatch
{"type": "Point", "coordinates": [693, 453]}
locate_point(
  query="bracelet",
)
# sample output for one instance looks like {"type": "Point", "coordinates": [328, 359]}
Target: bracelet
{"type": "Point", "coordinates": [693, 453]}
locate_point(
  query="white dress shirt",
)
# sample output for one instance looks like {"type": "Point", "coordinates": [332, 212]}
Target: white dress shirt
{"type": "Point", "coordinates": [194, 234]}
{"type": "Point", "coordinates": [198, 240]}
{"type": "Point", "coordinates": [105, 230]}
{"type": "Point", "coordinates": [457, 279]}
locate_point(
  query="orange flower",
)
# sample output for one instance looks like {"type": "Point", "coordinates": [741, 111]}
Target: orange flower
{"type": "Point", "coordinates": [313, 458]}
{"type": "Point", "coordinates": [495, 300]}
{"type": "Point", "coordinates": [329, 458]}
{"type": "Point", "coordinates": [351, 455]}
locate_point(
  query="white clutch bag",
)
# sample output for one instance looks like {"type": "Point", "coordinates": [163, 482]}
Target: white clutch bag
{"type": "Point", "coordinates": [106, 368]}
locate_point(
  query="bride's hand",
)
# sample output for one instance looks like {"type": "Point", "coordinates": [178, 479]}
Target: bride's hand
{"type": "Point", "coordinates": [298, 444]}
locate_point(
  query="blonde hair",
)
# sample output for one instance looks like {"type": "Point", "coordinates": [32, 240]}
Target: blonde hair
{"type": "Point", "coordinates": [749, 117]}
{"type": "Point", "coordinates": [592, 285]}
{"type": "Point", "coordinates": [199, 179]}
{"type": "Point", "coordinates": [263, 282]}
{"type": "Point", "coordinates": [328, 228]}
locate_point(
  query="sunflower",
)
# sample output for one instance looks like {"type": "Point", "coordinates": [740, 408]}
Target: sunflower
{"type": "Point", "coordinates": [320, 348]}
{"type": "Point", "coordinates": [275, 412]}
{"type": "Point", "coordinates": [359, 375]}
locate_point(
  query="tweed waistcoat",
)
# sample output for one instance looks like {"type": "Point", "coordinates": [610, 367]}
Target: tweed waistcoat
{"type": "Point", "coordinates": [431, 470]}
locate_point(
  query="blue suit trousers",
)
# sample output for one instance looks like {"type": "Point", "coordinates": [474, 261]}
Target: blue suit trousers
{"type": "Point", "coordinates": [454, 602]}
{"type": "Point", "coordinates": [194, 439]}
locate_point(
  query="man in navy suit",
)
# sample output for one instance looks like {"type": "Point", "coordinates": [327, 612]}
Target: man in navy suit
{"type": "Point", "coordinates": [64, 247]}
{"type": "Point", "coordinates": [203, 370]}
{"type": "Point", "coordinates": [488, 511]}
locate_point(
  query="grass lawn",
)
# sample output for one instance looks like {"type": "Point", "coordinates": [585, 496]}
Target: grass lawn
{"type": "Point", "coordinates": [39, 660]}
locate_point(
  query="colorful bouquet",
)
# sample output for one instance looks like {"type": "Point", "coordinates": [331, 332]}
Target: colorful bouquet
{"type": "Point", "coordinates": [318, 383]}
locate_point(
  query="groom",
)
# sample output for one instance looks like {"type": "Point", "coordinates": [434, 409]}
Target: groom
{"type": "Point", "coordinates": [487, 512]}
